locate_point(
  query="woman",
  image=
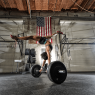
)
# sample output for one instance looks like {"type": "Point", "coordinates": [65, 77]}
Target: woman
{"type": "Point", "coordinates": [42, 40]}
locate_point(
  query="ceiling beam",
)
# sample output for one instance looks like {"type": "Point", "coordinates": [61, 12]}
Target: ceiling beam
{"type": "Point", "coordinates": [6, 3]}
{"type": "Point", "coordinates": [75, 6]}
{"type": "Point", "coordinates": [44, 5]}
{"type": "Point", "coordinates": [3, 4]}
{"type": "Point", "coordinates": [72, 5]}
{"type": "Point", "coordinates": [91, 4]}
{"type": "Point", "coordinates": [84, 4]}
{"type": "Point", "coordinates": [55, 6]}
{"type": "Point", "coordinates": [28, 5]}
{"type": "Point", "coordinates": [12, 4]}
{"type": "Point", "coordinates": [66, 5]}
{"type": "Point", "coordinates": [19, 5]}
{"type": "Point", "coordinates": [51, 5]}
{"type": "Point", "coordinates": [93, 7]}
{"type": "Point", "coordinates": [25, 5]}
{"type": "Point", "coordinates": [58, 7]}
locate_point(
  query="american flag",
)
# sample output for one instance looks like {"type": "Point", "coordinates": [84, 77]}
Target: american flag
{"type": "Point", "coordinates": [44, 27]}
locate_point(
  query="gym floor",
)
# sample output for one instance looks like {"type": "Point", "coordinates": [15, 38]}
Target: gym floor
{"type": "Point", "coordinates": [75, 84]}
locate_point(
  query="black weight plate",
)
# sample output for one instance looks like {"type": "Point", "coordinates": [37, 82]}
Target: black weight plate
{"type": "Point", "coordinates": [34, 72]}
{"type": "Point", "coordinates": [27, 51]}
{"type": "Point", "coordinates": [53, 73]}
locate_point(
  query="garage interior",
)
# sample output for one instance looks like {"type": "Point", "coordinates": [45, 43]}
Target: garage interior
{"type": "Point", "coordinates": [75, 19]}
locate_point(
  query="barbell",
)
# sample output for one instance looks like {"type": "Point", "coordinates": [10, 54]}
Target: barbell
{"type": "Point", "coordinates": [56, 72]}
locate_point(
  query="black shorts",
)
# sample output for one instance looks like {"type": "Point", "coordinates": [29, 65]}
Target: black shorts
{"type": "Point", "coordinates": [42, 40]}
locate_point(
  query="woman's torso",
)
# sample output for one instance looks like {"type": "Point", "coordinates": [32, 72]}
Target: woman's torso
{"type": "Point", "coordinates": [48, 46]}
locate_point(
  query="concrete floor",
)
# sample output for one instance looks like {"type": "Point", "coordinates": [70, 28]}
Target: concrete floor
{"type": "Point", "coordinates": [75, 84]}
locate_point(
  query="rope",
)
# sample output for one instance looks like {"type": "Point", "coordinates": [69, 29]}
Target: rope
{"type": "Point", "coordinates": [81, 7]}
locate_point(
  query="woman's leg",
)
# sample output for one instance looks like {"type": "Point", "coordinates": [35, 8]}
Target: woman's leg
{"type": "Point", "coordinates": [36, 38]}
{"type": "Point", "coordinates": [32, 41]}
{"type": "Point", "coordinates": [48, 37]}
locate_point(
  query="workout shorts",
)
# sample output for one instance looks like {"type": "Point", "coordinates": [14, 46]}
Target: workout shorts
{"type": "Point", "coordinates": [43, 40]}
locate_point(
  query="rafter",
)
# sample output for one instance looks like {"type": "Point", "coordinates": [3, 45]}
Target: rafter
{"type": "Point", "coordinates": [38, 4]}
{"type": "Point", "coordinates": [63, 3]}
{"type": "Point", "coordinates": [48, 5]}
{"type": "Point", "coordinates": [24, 4]}
{"type": "Point", "coordinates": [91, 4]}
{"type": "Point", "coordinates": [51, 5]}
{"type": "Point", "coordinates": [84, 3]}
{"type": "Point", "coordinates": [58, 5]}
{"type": "Point", "coordinates": [32, 4]}
{"type": "Point", "coordinates": [45, 5]}
{"type": "Point", "coordinates": [12, 4]}
{"type": "Point", "coordinates": [66, 4]}
{"type": "Point", "coordinates": [79, 2]}
{"type": "Point", "coordinates": [3, 4]}
{"type": "Point", "coordinates": [6, 3]}
{"type": "Point", "coordinates": [19, 4]}
{"type": "Point", "coordinates": [71, 5]}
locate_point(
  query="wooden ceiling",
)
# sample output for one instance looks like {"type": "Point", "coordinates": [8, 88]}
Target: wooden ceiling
{"type": "Point", "coordinates": [48, 5]}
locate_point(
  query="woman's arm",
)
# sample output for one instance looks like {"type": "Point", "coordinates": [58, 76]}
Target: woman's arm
{"type": "Point", "coordinates": [48, 54]}
{"type": "Point", "coordinates": [43, 63]}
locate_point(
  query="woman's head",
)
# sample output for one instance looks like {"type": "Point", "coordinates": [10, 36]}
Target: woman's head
{"type": "Point", "coordinates": [44, 56]}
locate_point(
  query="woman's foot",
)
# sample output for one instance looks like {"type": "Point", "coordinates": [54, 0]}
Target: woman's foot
{"type": "Point", "coordinates": [59, 32]}
{"type": "Point", "coordinates": [14, 37]}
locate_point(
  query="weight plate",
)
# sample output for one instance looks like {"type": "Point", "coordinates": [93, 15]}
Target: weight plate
{"type": "Point", "coordinates": [53, 72]}
{"type": "Point", "coordinates": [34, 70]}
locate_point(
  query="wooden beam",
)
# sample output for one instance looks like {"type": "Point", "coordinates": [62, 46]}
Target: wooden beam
{"type": "Point", "coordinates": [84, 3]}
{"type": "Point", "coordinates": [66, 4]}
{"type": "Point", "coordinates": [32, 5]}
{"type": "Point", "coordinates": [45, 5]}
{"type": "Point", "coordinates": [38, 4]}
{"type": "Point", "coordinates": [3, 4]}
{"type": "Point", "coordinates": [51, 5]}
{"type": "Point", "coordinates": [58, 5]}
{"type": "Point", "coordinates": [72, 5]}
{"type": "Point", "coordinates": [91, 4]}
{"type": "Point", "coordinates": [6, 3]}
{"type": "Point", "coordinates": [19, 5]}
{"type": "Point", "coordinates": [12, 4]}
{"type": "Point", "coordinates": [28, 5]}
{"type": "Point", "coordinates": [24, 4]}
{"type": "Point", "coordinates": [75, 6]}
{"type": "Point", "coordinates": [63, 4]}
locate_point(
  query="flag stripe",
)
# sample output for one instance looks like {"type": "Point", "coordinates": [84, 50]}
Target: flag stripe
{"type": "Point", "coordinates": [46, 26]}
{"type": "Point", "coordinates": [50, 29]}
